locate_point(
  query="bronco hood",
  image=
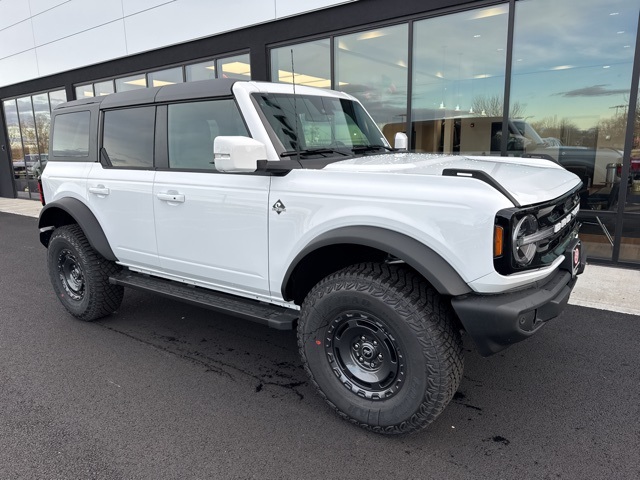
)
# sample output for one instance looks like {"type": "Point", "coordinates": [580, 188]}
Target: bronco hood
{"type": "Point", "coordinates": [527, 180]}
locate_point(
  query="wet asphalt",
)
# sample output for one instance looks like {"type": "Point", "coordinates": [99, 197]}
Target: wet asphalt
{"type": "Point", "coordinates": [163, 390]}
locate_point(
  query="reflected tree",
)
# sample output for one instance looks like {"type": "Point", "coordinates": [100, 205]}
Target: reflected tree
{"type": "Point", "coordinates": [493, 106]}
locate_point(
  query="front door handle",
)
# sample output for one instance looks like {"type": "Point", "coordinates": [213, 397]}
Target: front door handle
{"type": "Point", "coordinates": [99, 190]}
{"type": "Point", "coordinates": [171, 197]}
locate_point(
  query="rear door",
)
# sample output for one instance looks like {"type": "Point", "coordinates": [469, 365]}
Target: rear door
{"type": "Point", "coordinates": [120, 186]}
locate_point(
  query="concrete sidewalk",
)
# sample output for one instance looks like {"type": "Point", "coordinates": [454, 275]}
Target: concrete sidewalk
{"type": "Point", "coordinates": [604, 288]}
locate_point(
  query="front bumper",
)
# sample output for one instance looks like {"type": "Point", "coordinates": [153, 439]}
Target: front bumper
{"type": "Point", "coordinates": [497, 321]}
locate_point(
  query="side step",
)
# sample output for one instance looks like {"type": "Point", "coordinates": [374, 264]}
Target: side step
{"type": "Point", "coordinates": [273, 316]}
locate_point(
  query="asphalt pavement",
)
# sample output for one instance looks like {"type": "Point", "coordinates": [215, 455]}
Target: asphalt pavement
{"type": "Point", "coordinates": [163, 390]}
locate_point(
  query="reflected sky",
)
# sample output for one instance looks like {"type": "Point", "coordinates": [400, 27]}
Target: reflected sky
{"type": "Point", "coordinates": [574, 59]}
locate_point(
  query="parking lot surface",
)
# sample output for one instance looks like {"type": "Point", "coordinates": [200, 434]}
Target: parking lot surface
{"type": "Point", "coordinates": [165, 390]}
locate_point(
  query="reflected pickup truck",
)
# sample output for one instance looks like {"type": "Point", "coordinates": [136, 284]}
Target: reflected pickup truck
{"type": "Point", "coordinates": [286, 205]}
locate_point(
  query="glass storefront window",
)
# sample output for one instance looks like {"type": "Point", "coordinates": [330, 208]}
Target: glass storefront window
{"type": "Point", "coordinates": [57, 97]}
{"type": "Point", "coordinates": [372, 66]}
{"type": "Point", "coordinates": [238, 67]}
{"type": "Point", "coordinates": [43, 121]}
{"type": "Point", "coordinates": [84, 91]}
{"type": "Point", "coordinates": [458, 82]}
{"type": "Point", "coordinates": [103, 88]}
{"type": "Point", "coordinates": [573, 84]}
{"type": "Point", "coordinates": [630, 240]}
{"type": "Point", "coordinates": [311, 63]}
{"type": "Point", "coordinates": [15, 143]}
{"type": "Point", "coordinates": [201, 71]}
{"type": "Point", "coordinates": [165, 77]}
{"type": "Point", "coordinates": [133, 82]}
{"type": "Point", "coordinates": [29, 146]}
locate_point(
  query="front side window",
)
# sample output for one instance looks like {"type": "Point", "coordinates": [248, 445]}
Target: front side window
{"type": "Point", "coordinates": [71, 134]}
{"type": "Point", "coordinates": [308, 122]}
{"type": "Point", "coordinates": [128, 137]}
{"type": "Point", "coordinates": [194, 126]}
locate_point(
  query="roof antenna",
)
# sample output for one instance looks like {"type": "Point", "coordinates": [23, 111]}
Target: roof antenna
{"type": "Point", "coordinates": [295, 106]}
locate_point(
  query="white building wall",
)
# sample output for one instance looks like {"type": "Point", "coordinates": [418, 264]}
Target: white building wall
{"type": "Point", "coordinates": [43, 37]}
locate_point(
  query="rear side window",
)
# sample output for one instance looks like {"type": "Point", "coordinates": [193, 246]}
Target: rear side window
{"type": "Point", "coordinates": [71, 134]}
{"type": "Point", "coordinates": [193, 128]}
{"type": "Point", "coordinates": [128, 137]}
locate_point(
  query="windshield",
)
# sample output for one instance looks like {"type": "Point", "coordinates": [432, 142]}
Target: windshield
{"type": "Point", "coordinates": [528, 132]}
{"type": "Point", "coordinates": [318, 124]}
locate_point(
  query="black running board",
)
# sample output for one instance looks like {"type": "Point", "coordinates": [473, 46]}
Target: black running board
{"type": "Point", "coordinates": [273, 316]}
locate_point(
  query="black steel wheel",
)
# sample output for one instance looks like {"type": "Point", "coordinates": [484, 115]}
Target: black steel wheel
{"type": "Point", "coordinates": [381, 346]}
{"type": "Point", "coordinates": [80, 275]}
{"type": "Point", "coordinates": [364, 355]}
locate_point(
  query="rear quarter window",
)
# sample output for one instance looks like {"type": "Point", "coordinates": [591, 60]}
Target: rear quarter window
{"type": "Point", "coordinates": [71, 134]}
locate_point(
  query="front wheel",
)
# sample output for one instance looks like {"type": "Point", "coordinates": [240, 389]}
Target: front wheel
{"type": "Point", "coordinates": [80, 275]}
{"type": "Point", "coordinates": [381, 347]}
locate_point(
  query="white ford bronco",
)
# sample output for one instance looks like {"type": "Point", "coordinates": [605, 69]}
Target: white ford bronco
{"type": "Point", "coordinates": [287, 206]}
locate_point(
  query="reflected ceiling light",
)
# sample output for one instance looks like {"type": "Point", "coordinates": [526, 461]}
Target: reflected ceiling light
{"type": "Point", "coordinates": [621, 31]}
{"type": "Point", "coordinates": [439, 74]}
{"type": "Point", "coordinates": [211, 67]}
{"type": "Point", "coordinates": [162, 83]}
{"type": "Point", "coordinates": [88, 94]}
{"type": "Point", "coordinates": [371, 34]}
{"type": "Point", "coordinates": [477, 36]}
{"type": "Point", "coordinates": [606, 66]}
{"type": "Point", "coordinates": [614, 13]}
{"type": "Point", "coordinates": [519, 60]}
{"type": "Point", "coordinates": [301, 79]}
{"type": "Point", "coordinates": [562, 67]}
{"type": "Point", "coordinates": [482, 75]}
{"type": "Point", "coordinates": [342, 45]}
{"type": "Point", "coordinates": [490, 12]}
{"type": "Point", "coordinates": [239, 68]}
{"type": "Point", "coordinates": [500, 50]}
{"type": "Point", "coordinates": [402, 63]}
{"type": "Point", "coordinates": [627, 46]}
{"type": "Point", "coordinates": [140, 82]}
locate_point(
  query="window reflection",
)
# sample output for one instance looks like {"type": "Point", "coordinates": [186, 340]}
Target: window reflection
{"type": "Point", "coordinates": [133, 82]}
{"type": "Point", "coordinates": [630, 240]}
{"type": "Point", "coordinates": [573, 86]}
{"type": "Point", "coordinates": [311, 63]}
{"type": "Point", "coordinates": [372, 66]}
{"type": "Point", "coordinates": [84, 91]}
{"type": "Point", "coordinates": [165, 77]}
{"type": "Point", "coordinates": [103, 88]}
{"type": "Point", "coordinates": [238, 67]}
{"type": "Point", "coordinates": [201, 71]}
{"type": "Point", "coordinates": [458, 81]}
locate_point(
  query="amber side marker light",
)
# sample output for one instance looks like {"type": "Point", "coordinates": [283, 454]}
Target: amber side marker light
{"type": "Point", "coordinates": [498, 241]}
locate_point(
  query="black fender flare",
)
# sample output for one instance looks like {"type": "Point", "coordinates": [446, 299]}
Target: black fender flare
{"type": "Point", "coordinates": [51, 216]}
{"type": "Point", "coordinates": [435, 269]}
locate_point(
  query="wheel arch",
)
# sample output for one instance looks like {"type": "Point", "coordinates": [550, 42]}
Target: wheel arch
{"type": "Point", "coordinates": [345, 246]}
{"type": "Point", "coordinates": [67, 211]}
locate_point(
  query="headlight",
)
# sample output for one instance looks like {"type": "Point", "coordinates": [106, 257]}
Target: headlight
{"type": "Point", "coordinates": [523, 240]}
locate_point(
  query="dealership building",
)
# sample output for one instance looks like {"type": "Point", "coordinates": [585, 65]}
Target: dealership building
{"type": "Point", "coordinates": [555, 80]}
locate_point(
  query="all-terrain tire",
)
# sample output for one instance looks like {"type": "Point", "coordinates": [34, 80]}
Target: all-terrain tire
{"type": "Point", "coordinates": [80, 275]}
{"type": "Point", "coordinates": [381, 346]}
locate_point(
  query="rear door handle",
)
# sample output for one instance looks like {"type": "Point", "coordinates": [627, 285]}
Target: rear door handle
{"type": "Point", "coordinates": [99, 190]}
{"type": "Point", "coordinates": [171, 197]}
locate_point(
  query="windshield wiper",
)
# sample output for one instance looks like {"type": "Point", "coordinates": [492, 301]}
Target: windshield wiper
{"type": "Point", "coordinates": [371, 148]}
{"type": "Point", "coordinates": [311, 151]}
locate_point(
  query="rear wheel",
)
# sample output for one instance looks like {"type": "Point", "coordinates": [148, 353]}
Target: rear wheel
{"type": "Point", "coordinates": [381, 347]}
{"type": "Point", "coordinates": [80, 275]}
